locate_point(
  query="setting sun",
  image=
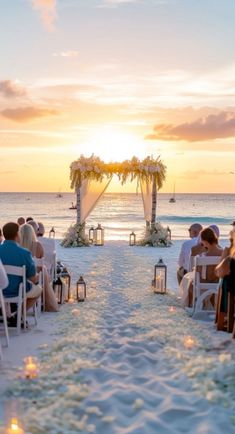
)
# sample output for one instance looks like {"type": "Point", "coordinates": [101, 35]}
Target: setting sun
{"type": "Point", "coordinates": [113, 144]}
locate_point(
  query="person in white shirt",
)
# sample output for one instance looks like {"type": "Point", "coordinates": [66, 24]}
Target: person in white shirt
{"type": "Point", "coordinates": [3, 277]}
{"type": "Point", "coordinates": [183, 261]}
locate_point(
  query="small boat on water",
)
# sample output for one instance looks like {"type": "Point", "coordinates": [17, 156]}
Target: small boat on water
{"type": "Point", "coordinates": [59, 194]}
{"type": "Point", "coordinates": [172, 198]}
{"type": "Point", "coordinates": [73, 206]}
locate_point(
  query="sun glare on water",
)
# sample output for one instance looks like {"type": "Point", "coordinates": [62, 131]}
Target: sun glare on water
{"type": "Point", "coordinates": [111, 144]}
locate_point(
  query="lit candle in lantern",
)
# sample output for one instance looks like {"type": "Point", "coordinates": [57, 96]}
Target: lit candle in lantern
{"type": "Point", "coordinates": [31, 367]}
{"type": "Point", "coordinates": [14, 427]}
{"type": "Point", "coordinates": [71, 300]}
{"type": "Point", "coordinates": [189, 342]}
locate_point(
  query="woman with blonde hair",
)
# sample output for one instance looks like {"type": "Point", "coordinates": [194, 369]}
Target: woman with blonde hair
{"type": "Point", "coordinates": [28, 240]}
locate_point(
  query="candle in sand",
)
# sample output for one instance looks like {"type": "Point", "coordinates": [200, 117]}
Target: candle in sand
{"type": "Point", "coordinates": [31, 367]}
{"type": "Point", "coordinates": [14, 427]}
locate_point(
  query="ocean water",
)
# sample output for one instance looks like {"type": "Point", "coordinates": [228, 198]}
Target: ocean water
{"type": "Point", "coordinates": [120, 213]}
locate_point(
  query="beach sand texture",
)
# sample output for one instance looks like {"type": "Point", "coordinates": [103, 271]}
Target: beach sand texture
{"type": "Point", "coordinates": [118, 362]}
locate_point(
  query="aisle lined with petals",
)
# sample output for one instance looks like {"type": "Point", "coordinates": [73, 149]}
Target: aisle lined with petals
{"type": "Point", "coordinates": [120, 362]}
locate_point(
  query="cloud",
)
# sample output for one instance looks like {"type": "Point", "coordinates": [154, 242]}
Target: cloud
{"type": "Point", "coordinates": [213, 126]}
{"type": "Point", "coordinates": [26, 114]}
{"type": "Point", "coordinates": [69, 53]}
{"type": "Point", "coordinates": [11, 89]}
{"type": "Point", "coordinates": [47, 12]}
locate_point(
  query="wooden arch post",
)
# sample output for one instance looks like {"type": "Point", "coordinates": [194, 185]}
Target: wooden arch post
{"type": "Point", "coordinates": [154, 201]}
{"type": "Point", "coordinates": [78, 194]}
{"type": "Point", "coordinates": [79, 218]}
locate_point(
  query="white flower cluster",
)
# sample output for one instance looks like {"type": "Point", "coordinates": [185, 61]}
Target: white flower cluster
{"type": "Point", "coordinates": [94, 168]}
{"type": "Point", "coordinates": [75, 237]}
{"type": "Point", "coordinates": [157, 236]}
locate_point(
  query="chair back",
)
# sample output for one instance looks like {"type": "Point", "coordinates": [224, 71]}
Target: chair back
{"type": "Point", "coordinates": [203, 289]}
{"type": "Point", "coordinates": [20, 299]}
{"type": "Point", "coordinates": [13, 270]}
{"type": "Point", "coordinates": [204, 262]}
{"type": "Point", "coordinates": [49, 255]}
{"type": "Point", "coordinates": [39, 263]}
{"type": "Point", "coordinates": [191, 263]}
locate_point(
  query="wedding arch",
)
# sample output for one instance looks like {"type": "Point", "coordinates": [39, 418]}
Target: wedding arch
{"type": "Point", "coordinates": [91, 176]}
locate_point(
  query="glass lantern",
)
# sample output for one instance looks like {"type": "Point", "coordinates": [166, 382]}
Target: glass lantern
{"type": "Point", "coordinates": [52, 233]}
{"type": "Point", "coordinates": [81, 289]}
{"type": "Point", "coordinates": [132, 239]}
{"type": "Point", "coordinates": [91, 234]}
{"type": "Point", "coordinates": [99, 235]}
{"type": "Point", "coordinates": [159, 281]}
{"type": "Point", "coordinates": [66, 276]}
{"type": "Point", "coordinates": [12, 417]}
{"type": "Point", "coordinates": [58, 289]}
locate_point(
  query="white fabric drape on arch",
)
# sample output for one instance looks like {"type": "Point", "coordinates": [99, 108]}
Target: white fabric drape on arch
{"type": "Point", "coordinates": [90, 193]}
{"type": "Point", "coordinates": [146, 192]}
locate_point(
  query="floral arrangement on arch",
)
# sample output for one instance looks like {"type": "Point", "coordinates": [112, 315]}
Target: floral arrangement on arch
{"type": "Point", "coordinates": [75, 236]}
{"type": "Point", "coordinates": [95, 169]}
{"type": "Point", "coordinates": [156, 236]}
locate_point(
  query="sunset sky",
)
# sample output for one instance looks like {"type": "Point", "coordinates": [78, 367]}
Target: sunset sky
{"type": "Point", "coordinates": [117, 78]}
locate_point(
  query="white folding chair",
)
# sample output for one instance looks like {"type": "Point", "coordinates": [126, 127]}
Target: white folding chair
{"type": "Point", "coordinates": [39, 262]}
{"type": "Point", "coordinates": [49, 256]}
{"type": "Point", "coordinates": [20, 300]}
{"type": "Point", "coordinates": [202, 290]}
{"type": "Point", "coordinates": [191, 262]}
{"type": "Point", "coordinates": [4, 317]}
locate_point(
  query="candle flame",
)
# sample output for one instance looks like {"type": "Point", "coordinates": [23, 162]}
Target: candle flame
{"type": "Point", "coordinates": [189, 342]}
{"type": "Point", "coordinates": [14, 427]}
{"type": "Point", "coordinates": [31, 367]}
{"type": "Point", "coordinates": [14, 424]}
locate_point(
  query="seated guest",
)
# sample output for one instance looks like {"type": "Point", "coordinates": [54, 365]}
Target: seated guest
{"type": "Point", "coordinates": [199, 248]}
{"type": "Point", "coordinates": [183, 261]}
{"type": "Point", "coordinates": [29, 241]}
{"type": "Point", "coordinates": [41, 230]}
{"type": "Point", "coordinates": [29, 219]}
{"type": "Point", "coordinates": [210, 243]}
{"type": "Point", "coordinates": [34, 225]}
{"type": "Point", "coordinates": [21, 221]}
{"type": "Point", "coordinates": [11, 253]}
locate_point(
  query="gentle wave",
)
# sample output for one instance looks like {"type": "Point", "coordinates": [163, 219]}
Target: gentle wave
{"type": "Point", "coordinates": [199, 219]}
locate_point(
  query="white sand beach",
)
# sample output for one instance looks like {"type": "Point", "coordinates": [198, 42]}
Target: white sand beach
{"type": "Point", "coordinates": [118, 362]}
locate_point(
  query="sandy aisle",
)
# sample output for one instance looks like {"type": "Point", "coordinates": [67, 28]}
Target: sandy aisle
{"type": "Point", "coordinates": [120, 364]}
